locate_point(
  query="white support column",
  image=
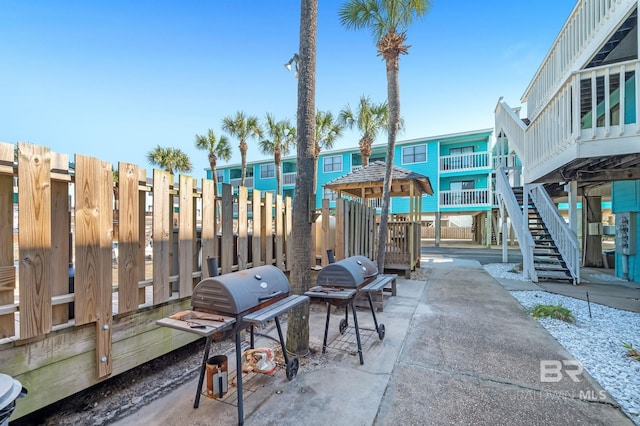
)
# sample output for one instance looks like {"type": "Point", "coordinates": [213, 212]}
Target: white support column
{"type": "Point", "coordinates": [576, 107]}
{"type": "Point", "coordinates": [637, 97]}
{"type": "Point", "coordinates": [594, 105]}
{"type": "Point", "coordinates": [438, 229]}
{"type": "Point", "coordinates": [622, 101]}
{"type": "Point", "coordinates": [607, 104]}
{"type": "Point", "coordinates": [572, 190]}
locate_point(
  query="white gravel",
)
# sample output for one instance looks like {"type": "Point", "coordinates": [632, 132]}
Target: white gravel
{"type": "Point", "coordinates": [596, 340]}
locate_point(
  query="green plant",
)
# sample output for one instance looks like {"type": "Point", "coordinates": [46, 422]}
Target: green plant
{"type": "Point", "coordinates": [552, 311]}
{"type": "Point", "coordinates": [516, 268]}
{"type": "Point", "coordinates": [631, 351]}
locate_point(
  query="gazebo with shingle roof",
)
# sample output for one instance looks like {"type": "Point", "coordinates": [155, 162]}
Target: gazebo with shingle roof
{"type": "Point", "coordinates": [367, 182]}
{"type": "Point", "coordinates": [403, 239]}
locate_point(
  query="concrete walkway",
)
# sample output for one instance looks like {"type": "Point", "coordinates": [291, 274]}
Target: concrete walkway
{"type": "Point", "coordinates": [458, 350]}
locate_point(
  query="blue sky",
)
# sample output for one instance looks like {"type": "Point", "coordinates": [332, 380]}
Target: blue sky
{"type": "Point", "coordinates": [113, 79]}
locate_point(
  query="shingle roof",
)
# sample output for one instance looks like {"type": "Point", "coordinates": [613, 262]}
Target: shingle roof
{"type": "Point", "coordinates": [368, 181]}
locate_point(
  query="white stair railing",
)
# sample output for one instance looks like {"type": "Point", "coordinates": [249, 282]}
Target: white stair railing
{"type": "Point", "coordinates": [525, 240]}
{"type": "Point", "coordinates": [564, 238]}
{"type": "Point", "coordinates": [507, 121]}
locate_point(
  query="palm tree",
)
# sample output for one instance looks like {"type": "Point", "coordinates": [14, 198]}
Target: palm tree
{"type": "Point", "coordinates": [282, 139]}
{"type": "Point", "coordinates": [369, 119]}
{"type": "Point", "coordinates": [171, 159]}
{"type": "Point", "coordinates": [327, 132]}
{"type": "Point", "coordinates": [216, 148]}
{"type": "Point", "coordinates": [298, 323]}
{"type": "Point", "coordinates": [242, 127]}
{"type": "Point", "coordinates": [388, 20]}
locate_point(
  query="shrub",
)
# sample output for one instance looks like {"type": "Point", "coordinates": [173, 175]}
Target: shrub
{"type": "Point", "coordinates": [631, 351]}
{"type": "Point", "coordinates": [517, 269]}
{"type": "Point", "coordinates": [552, 311]}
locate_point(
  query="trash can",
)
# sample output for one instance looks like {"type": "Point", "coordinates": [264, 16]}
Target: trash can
{"type": "Point", "coordinates": [217, 384]}
{"type": "Point", "coordinates": [609, 259]}
{"type": "Point", "coordinates": [10, 390]}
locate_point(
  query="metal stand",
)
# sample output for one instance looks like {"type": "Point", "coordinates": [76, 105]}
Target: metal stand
{"type": "Point", "coordinates": [343, 325]}
{"type": "Point", "coordinates": [203, 369]}
{"type": "Point", "coordinates": [239, 378]}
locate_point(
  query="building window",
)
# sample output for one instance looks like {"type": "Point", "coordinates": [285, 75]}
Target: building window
{"type": "Point", "coordinates": [462, 192]}
{"type": "Point", "coordinates": [463, 157]}
{"type": "Point", "coordinates": [414, 154]}
{"type": "Point", "coordinates": [329, 195]}
{"type": "Point", "coordinates": [267, 171]}
{"type": "Point", "coordinates": [332, 164]}
{"type": "Point", "coordinates": [220, 174]}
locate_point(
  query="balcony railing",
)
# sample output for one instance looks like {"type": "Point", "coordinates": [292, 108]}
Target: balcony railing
{"type": "Point", "coordinates": [590, 22]}
{"type": "Point", "coordinates": [248, 181]}
{"type": "Point", "coordinates": [568, 119]}
{"type": "Point", "coordinates": [289, 178]}
{"type": "Point", "coordinates": [377, 203]}
{"type": "Point", "coordinates": [465, 162]}
{"type": "Point", "coordinates": [465, 198]}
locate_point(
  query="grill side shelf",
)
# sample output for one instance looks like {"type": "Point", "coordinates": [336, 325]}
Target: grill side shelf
{"type": "Point", "coordinates": [275, 309]}
{"type": "Point", "coordinates": [331, 293]}
{"type": "Point", "coordinates": [210, 327]}
{"type": "Point", "coordinates": [380, 282]}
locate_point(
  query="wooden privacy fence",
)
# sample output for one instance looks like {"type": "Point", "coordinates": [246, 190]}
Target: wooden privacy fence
{"type": "Point", "coordinates": [348, 230]}
{"type": "Point", "coordinates": [68, 334]}
{"type": "Point", "coordinates": [448, 232]}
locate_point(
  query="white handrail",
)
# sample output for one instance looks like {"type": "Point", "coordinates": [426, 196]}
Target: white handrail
{"type": "Point", "coordinates": [564, 238]}
{"type": "Point", "coordinates": [505, 192]}
{"type": "Point", "coordinates": [507, 121]}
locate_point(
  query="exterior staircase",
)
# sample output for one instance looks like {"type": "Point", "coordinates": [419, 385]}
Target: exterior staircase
{"type": "Point", "coordinates": [547, 260]}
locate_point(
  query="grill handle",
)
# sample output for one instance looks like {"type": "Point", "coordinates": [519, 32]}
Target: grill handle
{"type": "Point", "coordinates": [270, 296]}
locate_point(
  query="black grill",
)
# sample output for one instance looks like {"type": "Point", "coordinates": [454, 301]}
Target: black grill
{"type": "Point", "coordinates": [338, 284]}
{"type": "Point", "coordinates": [249, 297]}
{"type": "Point", "coordinates": [241, 292]}
{"type": "Point", "coordinates": [352, 272]}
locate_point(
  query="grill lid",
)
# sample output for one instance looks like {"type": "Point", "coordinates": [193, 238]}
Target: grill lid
{"type": "Point", "coordinates": [351, 272]}
{"type": "Point", "coordinates": [241, 291]}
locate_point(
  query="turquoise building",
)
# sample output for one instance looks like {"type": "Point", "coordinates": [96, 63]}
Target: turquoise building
{"type": "Point", "coordinates": [458, 165]}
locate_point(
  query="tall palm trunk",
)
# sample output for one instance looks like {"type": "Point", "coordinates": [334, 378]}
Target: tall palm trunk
{"type": "Point", "coordinates": [365, 150]}
{"type": "Point", "coordinates": [277, 158]}
{"type": "Point", "coordinates": [298, 324]}
{"type": "Point", "coordinates": [213, 163]}
{"type": "Point", "coordinates": [243, 154]}
{"type": "Point", "coordinates": [393, 96]}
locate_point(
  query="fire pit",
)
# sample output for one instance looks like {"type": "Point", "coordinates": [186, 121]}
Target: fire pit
{"type": "Point", "coordinates": [226, 304]}
{"type": "Point", "coordinates": [340, 283]}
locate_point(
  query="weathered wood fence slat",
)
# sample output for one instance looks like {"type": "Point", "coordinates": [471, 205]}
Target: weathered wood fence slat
{"type": "Point", "coordinates": [101, 321]}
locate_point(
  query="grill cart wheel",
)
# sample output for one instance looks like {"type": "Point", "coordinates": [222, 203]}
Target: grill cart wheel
{"type": "Point", "coordinates": [343, 325]}
{"type": "Point", "coordinates": [381, 331]}
{"type": "Point", "coordinates": [292, 368]}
